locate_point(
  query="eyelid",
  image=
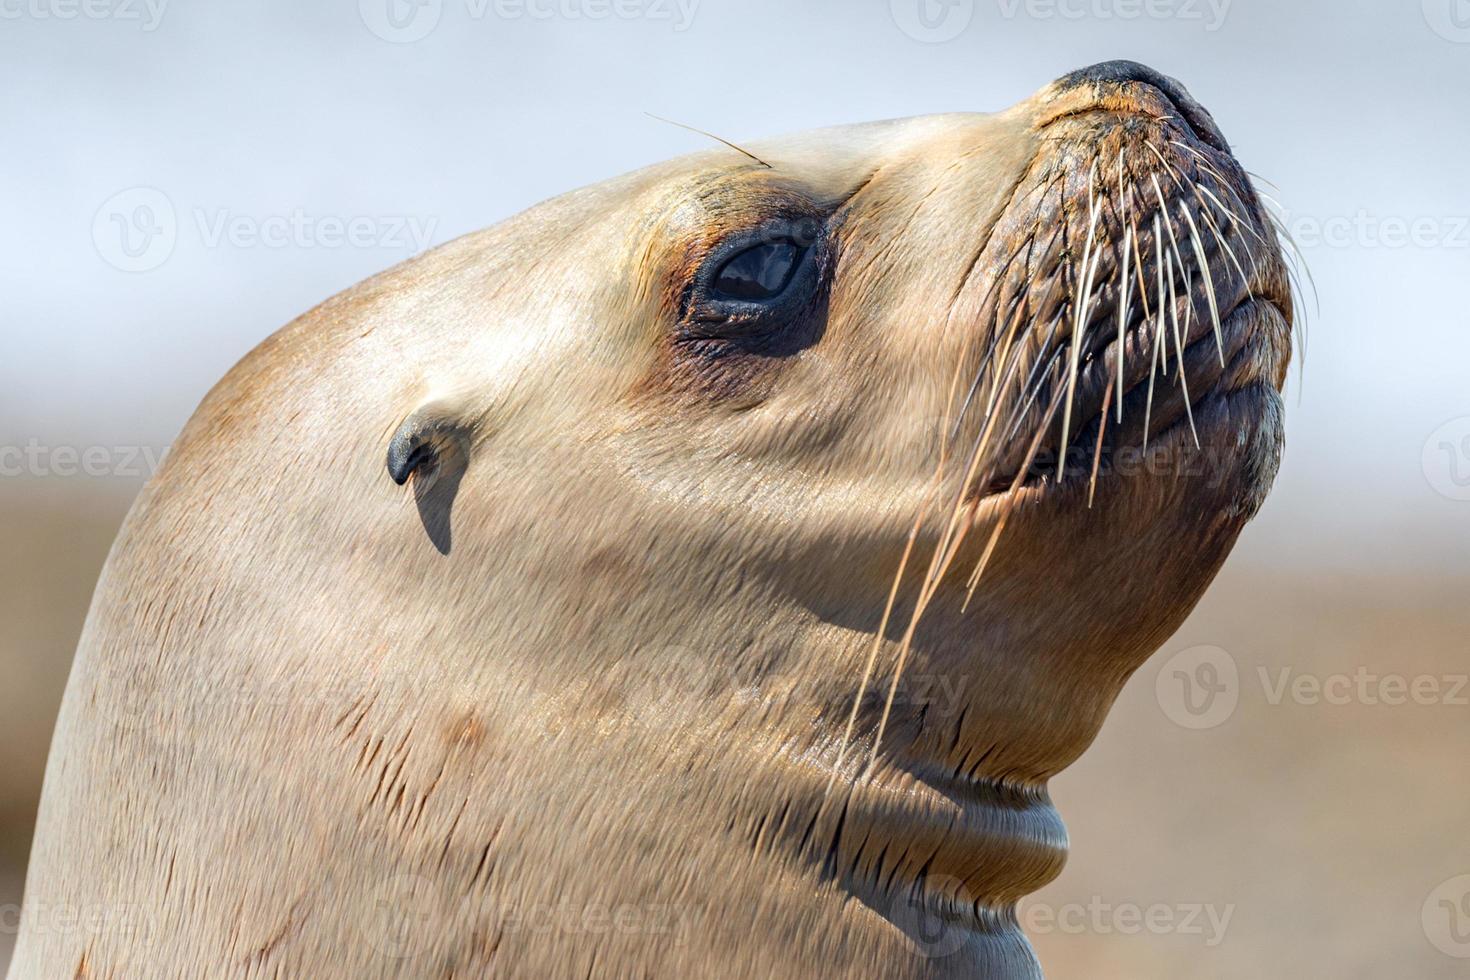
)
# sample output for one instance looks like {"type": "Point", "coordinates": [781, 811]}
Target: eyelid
{"type": "Point", "coordinates": [708, 311]}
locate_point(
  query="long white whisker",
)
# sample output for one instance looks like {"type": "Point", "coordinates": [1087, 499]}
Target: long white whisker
{"type": "Point", "coordinates": [1080, 306]}
{"type": "Point", "coordinates": [1125, 283]}
{"type": "Point", "coordinates": [1204, 265]}
{"type": "Point", "coordinates": [1179, 348]}
{"type": "Point", "coordinates": [1158, 331]}
{"type": "Point", "coordinates": [1125, 290]}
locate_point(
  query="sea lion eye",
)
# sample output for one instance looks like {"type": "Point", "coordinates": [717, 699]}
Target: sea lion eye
{"type": "Point", "coordinates": [759, 273]}
{"type": "Point", "coordinates": [758, 284]}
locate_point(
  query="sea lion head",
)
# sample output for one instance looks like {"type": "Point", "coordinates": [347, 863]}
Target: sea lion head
{"type": "Point", "coordinates": [1000, 390]}
{"type": "Point", "coordinates": [778, 521]}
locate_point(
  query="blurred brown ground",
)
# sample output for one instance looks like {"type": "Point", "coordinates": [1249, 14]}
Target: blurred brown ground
{"type": "Point", "coordinates": [1320, 829]}
{"type": "Point", "coordinates": [56, 534]}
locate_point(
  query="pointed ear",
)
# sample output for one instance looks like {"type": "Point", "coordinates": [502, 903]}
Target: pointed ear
{"type": "Point", "coordinates": [433, 434]}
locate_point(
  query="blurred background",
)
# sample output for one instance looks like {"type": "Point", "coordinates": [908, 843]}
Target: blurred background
{"type": "Point", "coordinates": [1282, 791]}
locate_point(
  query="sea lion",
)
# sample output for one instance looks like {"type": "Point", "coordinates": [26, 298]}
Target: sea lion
{"type": "Point", "coordinates": [601, 594]}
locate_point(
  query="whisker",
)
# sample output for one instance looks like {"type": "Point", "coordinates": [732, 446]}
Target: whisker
{"type": "Point", "coordinates": [939, 564]}
{"type": "Point", "coordinates": [1080, 309]}
{"type": "Point", "coordinates": [1102, 427]}
{"type": "Point", "coordinates": [1257, 177]}
{"type": "Point", "coordinates": [1235, 219]}
{"type": "Point", "coordinates": [1158, 342]}
{"type": "Point", "coordinates": [1125, 291]}
{"type": "Point", "coordinates": [717, 139]}
{"type": "Point", "coordinates": [1204, 265]}
{"type": "Point", "coordinates": [954, 534]}
{"type": "Point", "coordinates": [1125, 287]}
{"type": "Point", "coordinates": [935, 484]}
{"type": "Point", "coordinates": [1221, 241]}
{"type": "Point", "coordinates": [1204, 161]}
{"type": "Point", "coordinates": [1035, 382]}
{"type": "Point", "coordinates": [990, 350]}
{"type": "Point", "coordinates": [882, 630]}
{"type": "Point", "coordinates": [1010, 505]}
{"type": "Point", "coordinates": [1179, 349]}
{"type": "Point", "coordinates": [1139, 272]}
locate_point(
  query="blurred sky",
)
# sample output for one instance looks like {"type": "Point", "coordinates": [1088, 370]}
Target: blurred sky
{"type": "Point", "coordinates": [242, 119]}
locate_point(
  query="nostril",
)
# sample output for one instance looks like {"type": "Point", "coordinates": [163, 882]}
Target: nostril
{"type": "Point", "coordinates": [1123, 72]}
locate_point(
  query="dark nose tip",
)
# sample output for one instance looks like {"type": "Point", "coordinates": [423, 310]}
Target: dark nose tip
{"type": "Point", "coordinates": [1120, 72]}
{"type": "Point", "coordinates": [1124, 72]}
{"type": "Point", "coordinates": [1115, 71]}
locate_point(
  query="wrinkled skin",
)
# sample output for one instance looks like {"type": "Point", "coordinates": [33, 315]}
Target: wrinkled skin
{"type": "Point", "coordinates": [573, 700]}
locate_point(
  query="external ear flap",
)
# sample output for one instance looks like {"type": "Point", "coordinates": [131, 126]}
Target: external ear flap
{"type": "Point", "coordinates": [425, 441]}
{"type": "Point", "coordinates": [432, 446]}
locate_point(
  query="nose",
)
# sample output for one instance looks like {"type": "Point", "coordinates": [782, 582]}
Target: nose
{"type": "Point", "coordinates": [1122, 73]}
{"type": "Point", "coordinates": [1118, 72]}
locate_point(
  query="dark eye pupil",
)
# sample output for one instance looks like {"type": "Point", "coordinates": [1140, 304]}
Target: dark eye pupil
{"type": "Point", "coordinates": [759, 273]}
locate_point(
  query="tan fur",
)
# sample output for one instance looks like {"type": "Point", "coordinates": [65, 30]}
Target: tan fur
{"type": "Point", "coordinates": [569, 705]}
